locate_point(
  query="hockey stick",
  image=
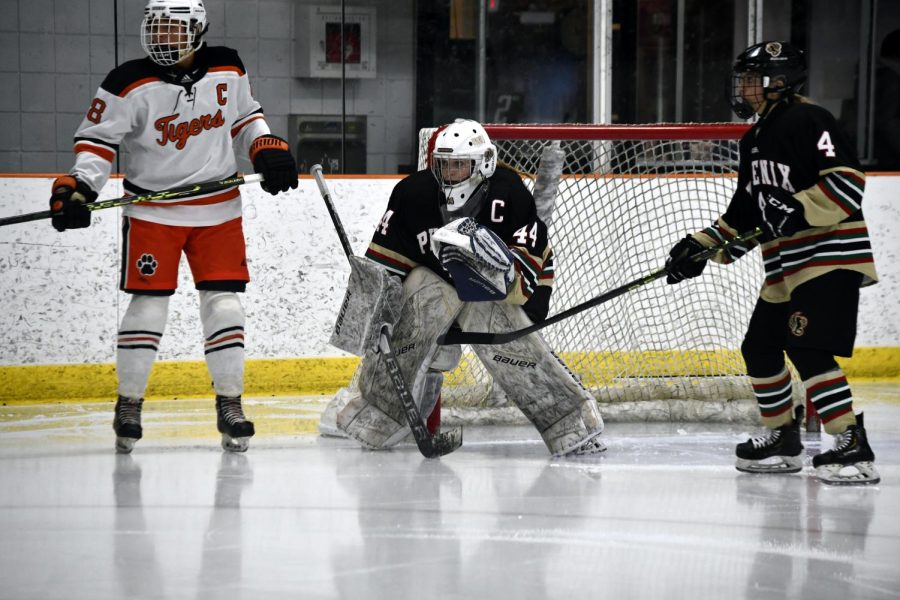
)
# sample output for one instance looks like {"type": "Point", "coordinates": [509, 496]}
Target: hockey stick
{"type": "Point", "coordinates": [455, 336]}
{"type": "Point", "coordinates": [173, 194]}
{"type": "Point", "coordinates": [431, 446]}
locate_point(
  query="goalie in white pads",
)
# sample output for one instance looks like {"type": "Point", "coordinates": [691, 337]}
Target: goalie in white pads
{"type": "Point", "coordinates": [466, 240]}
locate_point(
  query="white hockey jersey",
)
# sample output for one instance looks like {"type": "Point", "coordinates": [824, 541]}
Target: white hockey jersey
{"type": "Point", "coordinates": [178, 127]}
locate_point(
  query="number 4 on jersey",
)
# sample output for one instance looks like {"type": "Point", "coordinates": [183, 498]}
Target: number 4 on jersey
{"type": "Point", "coordinates": [383, 226]}
{"type": "Point", "coordinates": [824, 144]}
{"type": "Point", "coordinates": [523, 234]}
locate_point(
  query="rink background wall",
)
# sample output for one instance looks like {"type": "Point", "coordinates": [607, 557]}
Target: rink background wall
{"type": "Point", "coordinates": [61, 304]}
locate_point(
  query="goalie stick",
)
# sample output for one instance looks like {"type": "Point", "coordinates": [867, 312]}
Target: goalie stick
{"type": "Point", "coordinates": [455, 336]}
{"type": "Point", "coordinates": [431, 446]}
{"type": "Point", "coordinates": [175, 193]}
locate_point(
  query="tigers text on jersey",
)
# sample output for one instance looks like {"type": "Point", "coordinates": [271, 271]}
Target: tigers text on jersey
{"type": "Point", "coordinates": [798, 150]}
{"type": "Point", "coordinates": [178, 127]}
{"type": "Point", "coordinates": [402, 239]}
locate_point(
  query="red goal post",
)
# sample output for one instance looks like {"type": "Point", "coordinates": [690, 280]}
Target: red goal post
{"type": "Point", "coordinates": [616, 197]}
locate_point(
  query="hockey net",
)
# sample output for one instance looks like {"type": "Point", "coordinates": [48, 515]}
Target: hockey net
{"type": "Point", "coordinates": [621, 196]}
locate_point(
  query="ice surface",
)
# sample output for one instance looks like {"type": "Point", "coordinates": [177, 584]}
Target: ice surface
{"type": "Point", "coordinates": [663, 514]}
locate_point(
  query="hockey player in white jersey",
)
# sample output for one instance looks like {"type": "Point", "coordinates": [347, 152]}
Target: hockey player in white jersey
{"type": "Point", "coordinates": [181, 113]}
{"type": "Point", "coordinates": [466, 240]}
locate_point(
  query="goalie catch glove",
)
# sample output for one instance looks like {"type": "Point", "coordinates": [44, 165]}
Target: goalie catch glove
{"type": "Point", "coordinates": [781, 212]}
{"type": "Point", "coordinates": [679, 264]}
{"type": "Point", "coordinates": [479, 262]}
{"type": "Point", "coordinates": [273, 160]}
{"type": "Point", "coordinates": [67, 203]}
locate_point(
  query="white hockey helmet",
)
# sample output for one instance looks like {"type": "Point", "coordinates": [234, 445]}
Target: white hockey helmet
{"type": "Point", "coordinates": [172, 29]}
{"type": "Point", "coordinates": [462, 161]}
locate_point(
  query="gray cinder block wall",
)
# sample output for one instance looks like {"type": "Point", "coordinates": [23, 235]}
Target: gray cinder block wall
{"type": "Point", "coordinates": [54, 54]}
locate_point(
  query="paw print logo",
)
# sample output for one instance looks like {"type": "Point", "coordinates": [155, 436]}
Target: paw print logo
{"type": "Point", "coordinates": [146, 264]}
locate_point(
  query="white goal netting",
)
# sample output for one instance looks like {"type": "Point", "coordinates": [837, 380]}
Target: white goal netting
{"type": "Point", "coordinates": [625, 194]}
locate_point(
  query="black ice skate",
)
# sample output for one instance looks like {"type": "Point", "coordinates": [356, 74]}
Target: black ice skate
{"type": "Point", "coordinates": [236, 430]}
{"type": "Point", "coordinates": [851, 460]}
{"type": "Point", "coordinates": [778, 451]}
{"type": "Point", "coordinates": [127, 423]}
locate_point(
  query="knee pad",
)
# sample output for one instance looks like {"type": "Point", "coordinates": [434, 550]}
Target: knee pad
{"type": "Point", "coordinates": [220, 310]}
{"type": "Point", "coordinates": [810, 362]}
{"type": "Point", "coordinates": [146, 313]}
{"type": "Point", "coordinates": [446, 358]}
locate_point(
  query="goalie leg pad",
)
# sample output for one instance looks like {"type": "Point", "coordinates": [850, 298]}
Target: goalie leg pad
{"type": "Point", "coordinates": [376, 418]}
{"type": "Point", "coordinates": [328, 420]}
{"type": "Point", "coordinates": [537, 381]}
{"type": "Point", "coordinates": [372, 300]}
{"type": "Point", "coordinates": [446, 358]}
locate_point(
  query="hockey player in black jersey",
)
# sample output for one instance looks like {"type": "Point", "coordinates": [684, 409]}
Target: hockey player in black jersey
{"type": "Point", "coordinates": [465, 239]}
{"type": "Point", "coordinates": [800, 181]}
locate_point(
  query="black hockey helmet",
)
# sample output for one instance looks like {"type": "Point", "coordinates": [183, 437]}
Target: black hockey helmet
{"type": "Point", "coordinates": [781, 66]}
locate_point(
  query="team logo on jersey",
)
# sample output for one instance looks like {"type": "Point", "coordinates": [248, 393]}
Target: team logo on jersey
{"type": "Point", "coordinates": [798, 323]}
{"type": "Point", "coordinates": [147, 265]}
{"type": "Point", "coordinates": [774, 49]}
{"type": "Point", "coordinates": [769, 172]}
{"type": "Point", "coordinates": [180, 132]}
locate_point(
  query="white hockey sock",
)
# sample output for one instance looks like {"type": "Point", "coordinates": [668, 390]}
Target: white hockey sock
{"type": "Point", "coordinates": [223, 331]}
{"type": "Point", "coordinates": [139, 335]}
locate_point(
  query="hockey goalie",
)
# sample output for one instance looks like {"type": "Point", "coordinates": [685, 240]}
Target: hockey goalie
{"type": "Point", "coordinates": [464, 246]}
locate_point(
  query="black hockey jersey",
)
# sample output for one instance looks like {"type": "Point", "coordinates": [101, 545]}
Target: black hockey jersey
{"type": "Point", "coordinates": [402, 239]}
{"type": "Point", "coordinates": [798, 148]}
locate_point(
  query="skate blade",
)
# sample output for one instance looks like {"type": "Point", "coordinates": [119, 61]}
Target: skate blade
{"type": "Point", "coordinates": [124, 445]}
{"type": "Point", "coordinates": [862, 473]}
{"type": "Point", "coordinates": [774, 464]}
{"type": "Point", "coordinates": [231, 444]}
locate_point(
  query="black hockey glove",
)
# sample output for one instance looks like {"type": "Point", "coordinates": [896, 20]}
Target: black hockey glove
{"type": "Point", "coordinates": [272, 159]}
{"type": "Point", "coordinates": [679, 264]}
{"type": "Point", "coordinates": [67, 203]}
{"type": "Point", "coordinates": [782, 213]}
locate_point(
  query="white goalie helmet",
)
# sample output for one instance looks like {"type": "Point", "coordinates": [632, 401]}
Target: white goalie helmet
{"type": "Point", "coordinates": [463, 160]}
{"type": "Point", "coordinates": [172, 29]}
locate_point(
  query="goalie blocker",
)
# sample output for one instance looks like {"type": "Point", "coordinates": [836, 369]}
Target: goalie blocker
{"type": "Point", "coordinates": [564, 413]}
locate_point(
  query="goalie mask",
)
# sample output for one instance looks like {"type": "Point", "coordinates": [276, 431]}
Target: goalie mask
{"type": "Point", "coordinates": [172, 29]}
{"type": "Point", "coordinates": [767, 67]}
{"type": "Point", "coordinates": [463, 160]}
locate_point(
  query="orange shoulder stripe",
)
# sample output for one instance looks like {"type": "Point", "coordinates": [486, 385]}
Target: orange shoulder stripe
{"type": "Point", "coordinates": [226, 68]}
{"type": "Point", "coordinates": [104, 153]}
{"type": "Point", "coordinates": [237, 128]}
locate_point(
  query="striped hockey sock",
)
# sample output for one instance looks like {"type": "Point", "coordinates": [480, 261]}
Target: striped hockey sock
{"type": "Point", "coordinates": [223, 330]}
{"type": "Point", "coordinates": [139, 337]}
{"type": "Point", "coordinates": [830, 394]}
{"type": "Point", "coordinates": [775, 398]}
